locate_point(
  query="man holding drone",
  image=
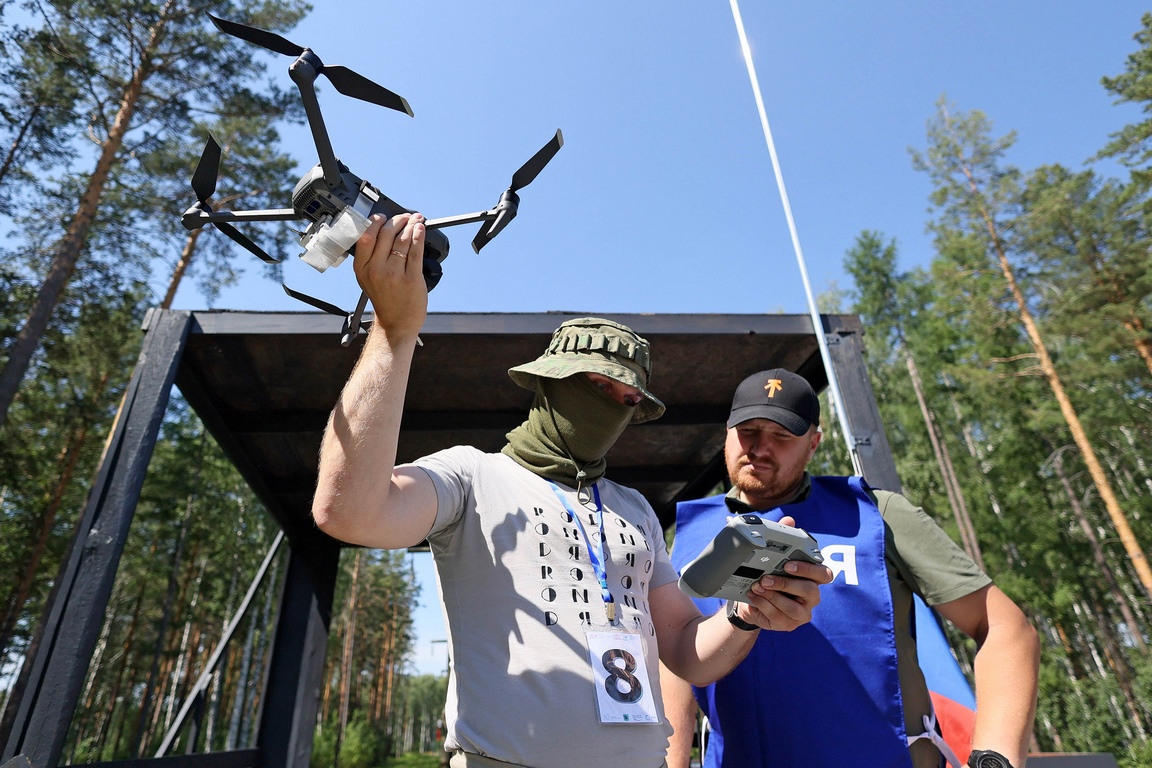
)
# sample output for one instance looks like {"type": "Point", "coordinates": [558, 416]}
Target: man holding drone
{"type": "Point", "coordinates": [550, 667]}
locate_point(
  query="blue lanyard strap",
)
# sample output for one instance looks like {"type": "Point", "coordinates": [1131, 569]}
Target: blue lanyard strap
{"type": "Point", "coordinates": [595, 546]}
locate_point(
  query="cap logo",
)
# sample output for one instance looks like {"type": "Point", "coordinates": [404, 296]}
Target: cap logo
{"type": "Point", "coordinates": [773, 386]}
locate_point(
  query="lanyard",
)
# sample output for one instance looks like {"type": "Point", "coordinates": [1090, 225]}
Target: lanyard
{"type": "Point", "coordinates": [595, 547]}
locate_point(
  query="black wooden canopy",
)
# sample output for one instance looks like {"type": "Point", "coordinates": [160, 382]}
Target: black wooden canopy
{"type": "Point", "coordinates": [264, 384]}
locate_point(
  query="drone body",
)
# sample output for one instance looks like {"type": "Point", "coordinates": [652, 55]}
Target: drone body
{"type": "Point", "coordinates": [338, 203]}
{"type": "Point", "coordinates": [324, 205]}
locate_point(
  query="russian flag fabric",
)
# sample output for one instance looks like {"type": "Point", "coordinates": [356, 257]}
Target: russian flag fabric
{"type": "Point", "coordinates": [952, 696]}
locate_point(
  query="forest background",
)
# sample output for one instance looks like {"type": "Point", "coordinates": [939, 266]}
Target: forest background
{"type": "Point", "coordinates": [1012, 368]}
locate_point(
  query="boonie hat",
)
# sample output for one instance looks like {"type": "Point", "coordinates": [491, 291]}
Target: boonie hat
{"type": "Point", "coordinates": [596, 345]}
{"type": "Point", "coordinates": [777, 395]}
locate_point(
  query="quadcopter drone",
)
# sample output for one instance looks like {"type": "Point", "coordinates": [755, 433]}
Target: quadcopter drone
{"type": "Point", "coordinates": [336, 202]}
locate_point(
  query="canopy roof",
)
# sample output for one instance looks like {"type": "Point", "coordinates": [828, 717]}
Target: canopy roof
{"type": "Point", "coordinates": [264, 383]}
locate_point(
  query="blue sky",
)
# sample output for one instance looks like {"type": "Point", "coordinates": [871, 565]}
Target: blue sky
{"type": "Point", "coordinates": [663, 198]}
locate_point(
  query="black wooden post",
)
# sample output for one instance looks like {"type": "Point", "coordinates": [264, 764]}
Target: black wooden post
{"type": "Point", "coordinates": [846, 350]}
{"type": "Point", "coordinates": [72, 623]}
{"type": "Point", "coordinates": [288, 719]}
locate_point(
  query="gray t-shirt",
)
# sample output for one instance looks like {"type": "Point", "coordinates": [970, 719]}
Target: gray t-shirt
{"type": "Point", "coordinates": [518, 593]}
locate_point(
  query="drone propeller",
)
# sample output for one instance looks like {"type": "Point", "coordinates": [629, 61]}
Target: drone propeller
{"type": "Point", "coordinates": [260, 37]}
{"type": "Point", "coordinates": [343, 79]}
{"type": "Point", "coordinates": [320, 304]}
{"type": "Point", "coordinates": [207, 170]}
{"type": "Point", "coordinates": [204, 185]}
{"type": "Point", "coordinates": [352, 322]}
{"type": "Point", "coordinates": [357, 86]}
{"type": "Point", "coordinates": [509, 200]}
{"type": "Point", "coordinates": [528, 172]}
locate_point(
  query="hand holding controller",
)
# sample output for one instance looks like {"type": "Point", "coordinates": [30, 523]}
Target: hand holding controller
{"type": "Point", "coordinates": [747, 548]}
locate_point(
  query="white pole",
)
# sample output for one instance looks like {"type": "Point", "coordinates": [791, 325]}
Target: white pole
{"type": "Point", "coordinates": [817, 324]}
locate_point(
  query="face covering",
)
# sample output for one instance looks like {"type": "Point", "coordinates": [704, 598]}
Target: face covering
{"type": "Point", "coordinates": [570, 428]}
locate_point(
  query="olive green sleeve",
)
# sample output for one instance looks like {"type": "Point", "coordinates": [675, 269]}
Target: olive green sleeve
{"type": "Point", "coordinates": [932, 564]}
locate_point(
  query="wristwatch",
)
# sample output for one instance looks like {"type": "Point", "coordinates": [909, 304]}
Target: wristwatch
{"type": "Point", "coordinates": [987, 758]}
{"type": "Point", "coordinates": [735, 620]}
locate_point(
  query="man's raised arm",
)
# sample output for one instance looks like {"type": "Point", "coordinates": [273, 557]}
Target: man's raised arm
{"type": "Point", "coordinates": [361, 498]}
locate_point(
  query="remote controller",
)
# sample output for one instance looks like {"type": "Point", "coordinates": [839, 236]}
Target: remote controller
{"type": "Point", "coordinates": [745, 549]}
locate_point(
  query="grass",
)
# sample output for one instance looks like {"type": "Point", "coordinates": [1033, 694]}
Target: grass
{"type": "Point", "coordinates": [414, 760]}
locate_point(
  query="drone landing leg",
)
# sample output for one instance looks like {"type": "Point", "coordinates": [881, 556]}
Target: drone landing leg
{"type": "Point", "coordinates": [352, 324]}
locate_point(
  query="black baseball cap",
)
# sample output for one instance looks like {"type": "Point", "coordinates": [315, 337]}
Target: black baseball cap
{"type": "Point", "coordinates": [777, 395]}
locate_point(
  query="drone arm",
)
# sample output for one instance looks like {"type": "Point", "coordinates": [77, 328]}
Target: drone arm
{"type": "Point", "coordinates": [194, 217]}
{"type": "Point", "coordinates": [464, 218]}
{"type": "Point", "coordinates": [303, 72]}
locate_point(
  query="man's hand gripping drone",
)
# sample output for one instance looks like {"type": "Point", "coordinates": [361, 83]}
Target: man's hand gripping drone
{"type": "Point", "coordinates": [338, 203]}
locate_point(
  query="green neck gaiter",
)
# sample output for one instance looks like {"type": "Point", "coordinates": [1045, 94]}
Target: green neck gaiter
{"type": "Point", "coordinates": [571, 426]}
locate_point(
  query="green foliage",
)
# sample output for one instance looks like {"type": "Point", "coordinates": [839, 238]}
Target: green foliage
{"type": "Point", "coordinates": [323, 749]}
{"type": "Point", "coordinates": [107, 107]}
{"type": "Point", "coordinates": [254, 174]}
{"type": "Point", "coordinates": [52, 442]}
{"type": "Point", "coordinates": [414, 760]}
{"type": "Point", "coordinates": [832, 456]}
{"type": "Point", "coordinates": [197, 540]}
{"type": "Point", "coordinates": [371, 644]}
{"type": "Point", "coordinates": [364, 745]}
{"type": "Point", "coordinates": [1078, 243]}
{"type": "Point", "coordinates": [39, 100]}
{"type": "Point", "coordinates": [146, 76]}
{"type": "Point", "coordinates": [1134, 86]}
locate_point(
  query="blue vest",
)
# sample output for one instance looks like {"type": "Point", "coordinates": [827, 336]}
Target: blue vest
{"type": "Point", "coordinates": [827, 694]}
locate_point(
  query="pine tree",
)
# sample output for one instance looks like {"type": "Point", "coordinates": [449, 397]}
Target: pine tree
{"type": "Point", "coordinates": [1088, 242]}
{"type": "Point", "coordinates": [885, 299]}
{"type": "Point", "coordinates": [1132, 145]}
{"type": "Point", "coordinates": [152, 65]}
{"type": "Point", "coordinates": [39, 98]}
{"type": "Point", "coordinates": [976, 194]}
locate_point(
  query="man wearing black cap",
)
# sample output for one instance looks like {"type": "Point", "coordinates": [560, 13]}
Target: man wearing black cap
{"type": "Point", "coordinates": [853, 690]}
{"type": "Point", "coordinates": [557, 591]}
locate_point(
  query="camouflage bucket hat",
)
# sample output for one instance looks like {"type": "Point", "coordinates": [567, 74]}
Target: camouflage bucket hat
{"type": "Point", "coordinates": [596, 345]}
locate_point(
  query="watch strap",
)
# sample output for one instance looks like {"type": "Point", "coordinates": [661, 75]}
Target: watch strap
{"type": "Point", "coordinates": [735, 620]}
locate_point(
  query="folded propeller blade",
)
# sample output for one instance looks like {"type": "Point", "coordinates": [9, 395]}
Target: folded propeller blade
{"type": "Point", "coordinates": [238, 237]}
{"type": "Point", "coordinates": [204, 177]}
{"type": "Point", "coordinates": [269, 40]}
{"type": "Point", "coordinates": [490, 229]}
{"type": "Point", "coordinates": [510, 201]}
{"type": "Point", "coordinates": [531, 169]}
{"type": "Point", "coordinates": [343, 79]}
{"type": "Point", "coordinates": [320, 304]}
{"type": "Point", "coordinates": [357, 86]}
{"type": "Point", "coordinates": [483, 237]}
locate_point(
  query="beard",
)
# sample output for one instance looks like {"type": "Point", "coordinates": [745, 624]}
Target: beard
{"type": "Point", "coordinates": [764, 487]}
